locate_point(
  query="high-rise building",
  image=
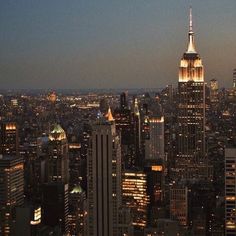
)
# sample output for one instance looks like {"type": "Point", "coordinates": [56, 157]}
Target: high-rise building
{"type": "Point", "coordinates": [155, 172]}
{"type": "Point", "coordinates": [191, 107]}
{"type": "Point", "coordinates": [137, 131]}
{"type": "Point", "coordinates": [58, 159]}
{"type": "Point", "coordinates": [11, 190]}
{"type": "Point", "coordinates": [134, 196]}
{"type": "Point", "coordinates": [77, 211]}
{"type": "Point", "coordinates": [214, 89]}
{"type": "Point", "coordinates": [55, 205]}
{"type": "Point", "coordinates": [154, 146]}
{"type": "Point", "coordinates": [125, 126]}
{"type": "Point", "coordinates": [179, 204]}
{"type": "Point", "coordinates": [234, 79]}
{"type": "Point", "coordinates": [230, 191]}
{"type": "Point", "coordinates": [124, 100]}
{"type": "Point", "coordinates": [104, 179]}
{"type": "Point", "coordinates": [9, 140]}
{"type": "Point", "coordinates": [28, 220]}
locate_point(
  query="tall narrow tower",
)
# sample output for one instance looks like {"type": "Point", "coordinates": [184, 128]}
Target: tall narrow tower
{"type": "Point", "coordinates": [191, 108]}
{"type": "Point", "coordinates": [230, 191]}
{"type": "Point", "coordinates": [58, 169]}
{"type": "Point", "coordinates": [11, 190]}
{"type": "Point", "coordinates": [104, 178]}
{"type": "Point", "coordinates": [234, 79]}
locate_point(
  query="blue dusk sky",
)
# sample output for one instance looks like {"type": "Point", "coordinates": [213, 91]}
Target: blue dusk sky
{"type": "Point", "coordinates": [84, 44]}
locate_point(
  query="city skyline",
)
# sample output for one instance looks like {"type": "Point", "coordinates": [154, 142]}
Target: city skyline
{"type": "Point", "coordinates": [86, 45]}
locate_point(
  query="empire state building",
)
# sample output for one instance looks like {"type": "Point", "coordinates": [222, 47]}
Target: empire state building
{"type": "Point", "coordinates": [191, 108]}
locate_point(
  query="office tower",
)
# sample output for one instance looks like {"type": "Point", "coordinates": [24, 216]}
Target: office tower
{"type": "Point", "coordinates": [77, 210]}
{"type": "Point", "coordinates": [234, 79]}
{"type": "Point", "coordinates": [125, 222]}
{"type": "Point", "coordinates": [11, 190]}
{"type": "Point", "coordinates": [125, 126]}
{"type": "Point", "coordinates": [214, 89]}
{"type": "Point", "coordinates": [134, 196]}
{"type": "Point", "coordinates": [28, 220]}
{"type": "Point", "coordinates": [191, 108]}
{"type": "Point", "coordinates": [104, 179]}
{"type": "Point", "coordinates": [9, 140]}
{"type": "Point", "coordinates": [230, 191]}
{"type": "Point", "coordinates": [76, 165]}
{"type": "Point", "coordinates": [179, 204]}
{"type": "Point", "coordinates": [57, 162]}
{"type": "Point", "coordinates": [154, 146]}
{"type": "Point", "coordinates": [55, 205]}
{"type": "Point", "coordinates": [155, 172]}
{"type": "Point", "coordinates": [201, 208]}
{"type": "Point", "coordinates": [124, 100]}
{"type": "Point", "coordinates": [137, 131]}
{"type": "Point", "coordinates": [103, 105]}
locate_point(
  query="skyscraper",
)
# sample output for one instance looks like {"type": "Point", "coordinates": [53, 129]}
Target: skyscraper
{"type": "Point", "coordinates": [57, 163]}
{"type": "Point", "coordinates": [11, 190]}
{"type": "Point", "coordinates": [9, 141]}
{"type": "Point", "coordinates": [214, 89]}
{"type": "Point", "coordinates": [55, 205]}
{"type": "Point", "coordinates": [134, 196]}
{"type": "Point", "coordinates": [154, 148]}
{"type": "Point", "coordinates": [179, 204]}
{"type": "Point", "coordinates": [104, 179]}
{"type": "Point", "coordinates": [125, 125]}
{"type": "Point", "coordinates": [191, 107]}
{"type": "Point", "coordinates": [137, 131]}
{"type": "Point", "coordinates": [234, 79]}
{"type": "Point", "coordinates": [230, 191]}
{"type": "Point", "coordinates": [123, 100]}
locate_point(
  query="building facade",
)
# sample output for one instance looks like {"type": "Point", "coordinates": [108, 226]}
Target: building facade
{"type": "Point", "coordinates": [104, 179]}
{"type": "Point", "coordinates": [11, 190]}
{"type": "Point", "coordinates": [134, 196]}
{"type": "Point", "coordinates": [230, 191]}
{"type": "Point", "coordinates": [9, 140]}
{"type": "Point", "coordinates": [191, 108]}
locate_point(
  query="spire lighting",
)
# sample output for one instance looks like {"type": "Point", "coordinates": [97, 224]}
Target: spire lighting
{"type": "Point", "coordinates": [191, 46]}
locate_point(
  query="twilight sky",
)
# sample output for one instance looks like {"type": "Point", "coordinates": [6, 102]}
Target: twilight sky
{"type": "Point", "coordinates": [112, 43]}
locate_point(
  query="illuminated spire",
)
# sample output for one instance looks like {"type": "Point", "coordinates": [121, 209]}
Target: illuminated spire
{"type": "Point", "coordinates": [109, 115]}
{"type": "Point", "coordinates": [191, 46]}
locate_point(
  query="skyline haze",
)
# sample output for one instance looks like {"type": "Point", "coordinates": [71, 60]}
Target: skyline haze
{"type": "Point", "coordinates": [131, 44]}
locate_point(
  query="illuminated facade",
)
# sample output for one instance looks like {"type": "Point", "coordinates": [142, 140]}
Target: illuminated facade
{"type": "Point", "coordinates": [154, 145]}
{"type": "Point", "coordinates": [234, 79]}
{"type": "Point", "coordinates": [28, 220]}
{"type": "Point", "coordinates": [9, 141]}
{"type": "Point", "coordinates": [57, 164]}
{"type": "Point", "coordinates": [134, 196]}
{"type": "Point", "coordinates": [191, 108]}
{"type": "Point", "coordinates": [137, 131]}
{"type": "Point", "coordinates": [179, 204]}
{"type": "Point", "coordinates": [52, 97]}
{"type": "Point", "coordinates": [214, 89]}
{"type": "Point", "coordinates": [125, 125]}
{"type": "Point", "coordinates": [104, 180]}
{"type": "Point", "coordinates": [155, 172]}
{"type": "Point", "coordinates": [11, 190]}
{"type": "Point", "coordinates": [230, 191]}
